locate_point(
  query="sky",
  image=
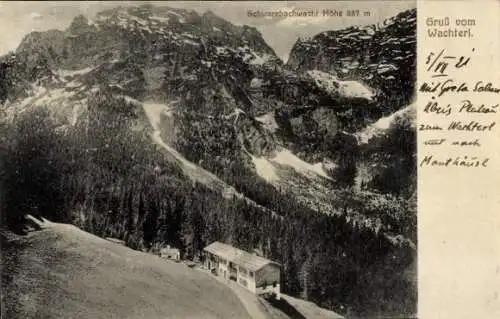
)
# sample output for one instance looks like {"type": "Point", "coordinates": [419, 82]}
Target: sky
{"type": "Point", "coordinates": [18, 18]}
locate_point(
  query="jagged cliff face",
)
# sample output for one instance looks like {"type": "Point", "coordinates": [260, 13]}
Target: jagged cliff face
{"type": "Point", "coordinates": [169, 38]}
{"type": "Point", "coordinates": [379, 64]}
{"type": "Point", "coordinates": [220, 101]}
{"type": "Point", "coordinates": [382, 56]}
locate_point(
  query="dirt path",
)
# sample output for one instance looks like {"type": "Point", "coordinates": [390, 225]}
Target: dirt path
{"type": "Point", "coordinates": [248, 299]}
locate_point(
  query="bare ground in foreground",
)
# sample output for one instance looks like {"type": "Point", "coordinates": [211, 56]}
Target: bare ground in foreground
{"type": "Point", "coordinates": [61, 271]}
{"type": "Point", "coordinates": [64, 272]}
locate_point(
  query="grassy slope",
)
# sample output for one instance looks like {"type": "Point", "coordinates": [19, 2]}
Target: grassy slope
{"type": "Point", "coordinates": [63, 272]}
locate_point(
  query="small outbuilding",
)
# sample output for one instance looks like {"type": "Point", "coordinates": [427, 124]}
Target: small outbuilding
{"type": "Point", "coordinates": [170, 253]}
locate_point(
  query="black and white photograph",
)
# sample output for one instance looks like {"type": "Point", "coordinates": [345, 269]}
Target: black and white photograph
{"type": "Point", "coordinates": [208, 159]}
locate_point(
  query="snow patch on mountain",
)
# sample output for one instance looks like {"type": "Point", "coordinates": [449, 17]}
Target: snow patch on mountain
{"type": "Point", "coordinates": [181, 17]}
{"type": "Point", "coordinates": [334, 86]}
{"type": "Point", "coordinates": [77, 112]}
{"type": "Point", "coordinates": [65, 73]}
{"type": "Point", "coordinates": [260, 59]}
{"type": "Point", "coordinates": [384, 68]}
{"type": "Point", "coordinates": [380, 126]}
{"type": "Point", "coordinates": [265, 169]}
{"type": "Point", "coordinates": [154, 111]}
{"type": "Point", "coordinates": [318, 168]}
{"type": "Point", "coordinates": [52, 96]}
{"type": "Point", "coordinates": [285, 157]}
{"type": "Point", "coordinates": [268, 121]}
{"type": "Point", "coordinates": [190, 42]}
{"type": "Point", "coordinates": [41, 96]}
{"type": "Point", "coordinates": [161, 19]}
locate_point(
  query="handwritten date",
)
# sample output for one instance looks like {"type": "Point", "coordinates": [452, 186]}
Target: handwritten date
{"type": "Point", "coordinates": [438, 63]}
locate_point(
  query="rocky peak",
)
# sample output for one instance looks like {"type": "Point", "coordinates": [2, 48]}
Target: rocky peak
{"type": "Point", "coordinates": [212, 19]}
{"type": "Point", "coordinates": [40, 41]}
{"type": "Point", "coordinates": [79, 25]}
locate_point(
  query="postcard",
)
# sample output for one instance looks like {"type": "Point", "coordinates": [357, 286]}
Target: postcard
{"type": "Point", "coordinates": [250, 159]}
